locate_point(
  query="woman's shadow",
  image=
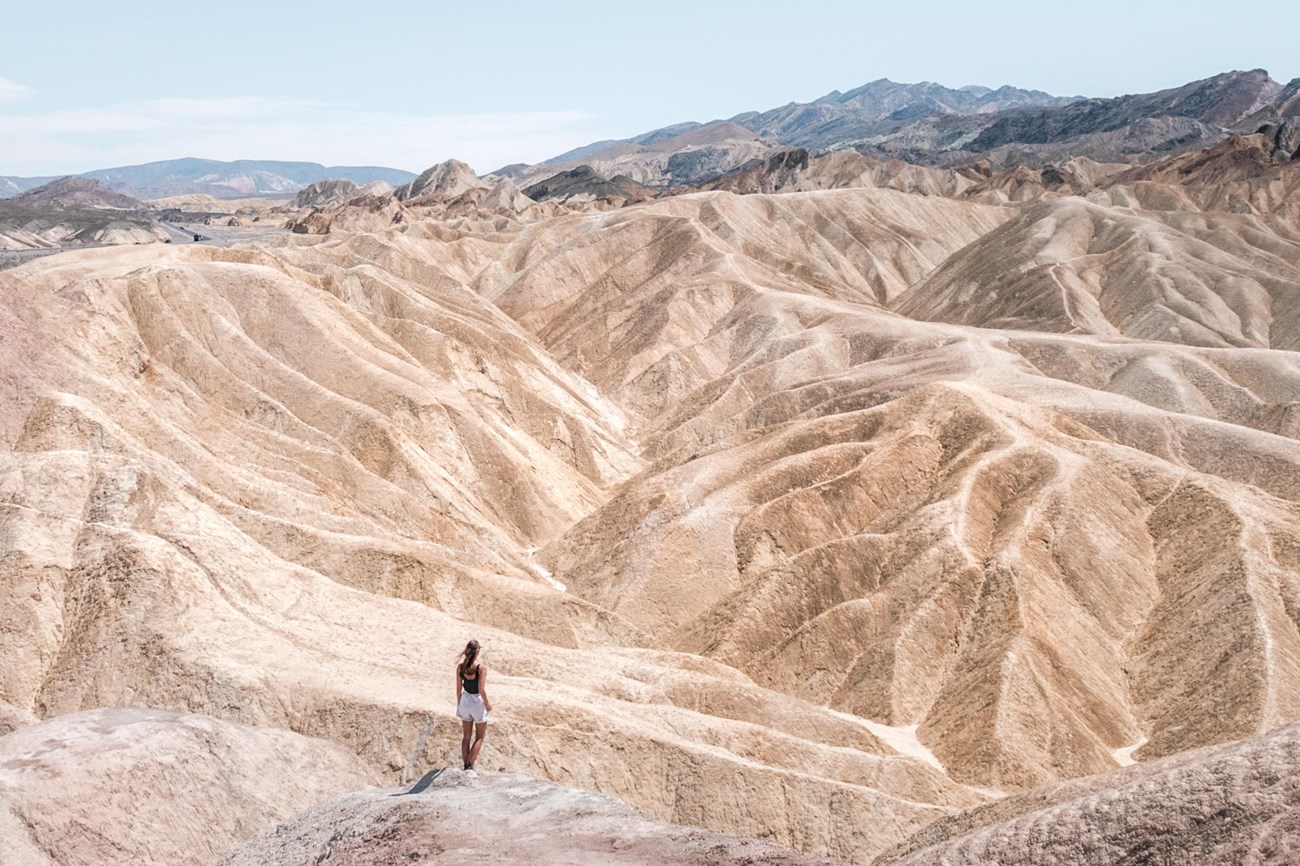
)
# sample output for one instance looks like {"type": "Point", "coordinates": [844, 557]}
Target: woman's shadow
{"type": "Point", "coordinates": [422, 784]}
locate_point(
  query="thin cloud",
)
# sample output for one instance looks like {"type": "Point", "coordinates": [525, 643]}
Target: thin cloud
{"type": "Point", "coordinates": [12, 90]}
{"type": "Point", "coordinates": [266, 128]}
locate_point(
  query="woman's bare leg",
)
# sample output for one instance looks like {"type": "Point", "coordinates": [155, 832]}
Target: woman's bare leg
{"type": "Point", "coordinates": [480, 731]}
{"type": "Point", "coordinates": [466, 729]}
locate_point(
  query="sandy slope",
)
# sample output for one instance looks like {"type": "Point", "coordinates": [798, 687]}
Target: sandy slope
{"type": "Point", "coordinates": [1072, 265]}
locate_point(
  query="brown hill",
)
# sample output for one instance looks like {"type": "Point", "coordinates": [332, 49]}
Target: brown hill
{"type": "Point", "coordinates": [583, 181]}
{"type": "Point", "coordinates": [73, 212]}
{"type": "Point", "coordinates": [74, 193]}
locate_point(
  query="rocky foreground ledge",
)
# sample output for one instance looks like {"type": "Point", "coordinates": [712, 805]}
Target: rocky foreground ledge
{"type": "Point", "coordinates": [1231, 805]}
{"type": "Point", "coordinates": [454, 816]}
{"type": "Point", "coordinates": [124, 787]}
{"type": "Point", "coordinates": [114, 787]}
{"type": "Point", "coordinates": [1236, 804]}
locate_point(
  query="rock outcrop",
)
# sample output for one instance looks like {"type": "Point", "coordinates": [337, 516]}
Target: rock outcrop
{"type": "Point", "coordinates": [454, 817]}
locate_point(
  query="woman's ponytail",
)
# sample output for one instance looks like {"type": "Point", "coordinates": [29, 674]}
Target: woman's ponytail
{"type": "Point", "coordinates": [467, 658]}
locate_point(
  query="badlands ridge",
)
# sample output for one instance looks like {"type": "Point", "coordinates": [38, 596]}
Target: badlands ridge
{"type": "Point", "coordinates": [819, 515]}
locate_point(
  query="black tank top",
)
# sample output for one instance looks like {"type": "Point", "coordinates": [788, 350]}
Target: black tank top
{"type": "Point", "coordinates": [470, 685]}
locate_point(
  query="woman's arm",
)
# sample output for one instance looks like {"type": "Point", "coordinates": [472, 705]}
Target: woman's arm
{"type": "Point", "coordinates": [482, 687]}
{"type": "Point", "coordinates": [458, 686]}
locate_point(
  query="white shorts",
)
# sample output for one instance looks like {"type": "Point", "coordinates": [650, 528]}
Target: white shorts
{"type": "Point", "coordinates": [472, 709]}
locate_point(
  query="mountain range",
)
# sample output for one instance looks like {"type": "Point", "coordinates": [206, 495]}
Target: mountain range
{"type": "Point", "coordinates": [238, 179]}
{"type": "Point", "coordinates": [928, 123]}
{"type": "Point", "coordinates": [922, 123]}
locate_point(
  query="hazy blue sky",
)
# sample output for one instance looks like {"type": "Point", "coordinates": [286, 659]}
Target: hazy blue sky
{"type": "Point", "coordinates": [408, 84]}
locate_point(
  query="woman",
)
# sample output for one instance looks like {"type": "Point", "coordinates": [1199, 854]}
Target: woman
{"type": "Point", "coordinates": [472, 703]}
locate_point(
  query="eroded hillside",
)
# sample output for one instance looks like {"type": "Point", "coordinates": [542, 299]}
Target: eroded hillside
{"type": "Point", "coordinates": [817, 515]}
